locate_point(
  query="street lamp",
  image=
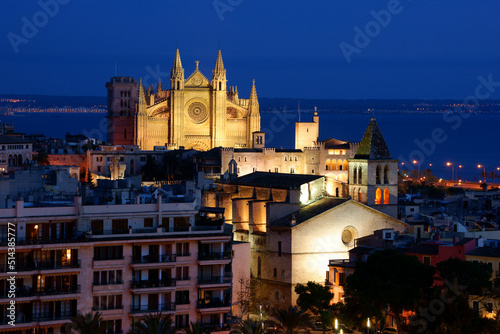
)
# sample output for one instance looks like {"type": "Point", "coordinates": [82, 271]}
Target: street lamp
{"type": "Point", "coordinates": [336, 325]}
{"type": "Point", "coordinates": [484, 171]}
{"type": "Point", "coordinates": [368, 325]}
{"type": "Point", "coordinates": [452, 169]}
{"type": "Point", "coordinates": [417, 162]}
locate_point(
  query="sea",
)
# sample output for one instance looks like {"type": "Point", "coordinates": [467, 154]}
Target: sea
{"type": "Point", "coordinates": [432, 140]}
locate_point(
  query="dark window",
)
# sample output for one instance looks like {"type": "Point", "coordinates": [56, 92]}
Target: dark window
{"type": "Point", "coordinates": [279, 248]}
{"type": "Point", "coordinates": [148, 222]}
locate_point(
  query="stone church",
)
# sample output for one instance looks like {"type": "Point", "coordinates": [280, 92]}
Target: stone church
{"type": "Point", "coordinates": [195, 113]}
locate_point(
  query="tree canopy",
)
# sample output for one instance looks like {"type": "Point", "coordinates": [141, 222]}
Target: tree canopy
{"type": "Point", "coordinates": [388, 282]}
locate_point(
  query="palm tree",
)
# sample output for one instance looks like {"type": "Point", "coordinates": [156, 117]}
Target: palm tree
{"type": "Point", "coordinates": [88, 323]}
{"type": "Point", "coordinates": [194, 328]}
{"type": "Point", "coordinates": [292, 319]}
{"type": "Point", "coordinates": [250, 326]}
{"type": "Point", "coordinates": [153, 324]}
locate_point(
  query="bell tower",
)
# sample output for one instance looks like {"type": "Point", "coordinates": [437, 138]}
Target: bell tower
{"type": "Point", "coordinates": [219, 97]}
{"type": "Point", "coordinates": [373, 174]}
{"type": "Point", "coordinates": [176, 127]}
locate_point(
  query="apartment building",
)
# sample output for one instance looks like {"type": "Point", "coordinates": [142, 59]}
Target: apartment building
{"type": "Point", "coordinates": [125, 261]}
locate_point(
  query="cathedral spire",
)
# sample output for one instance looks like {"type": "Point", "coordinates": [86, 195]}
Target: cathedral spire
{"type": "Point", "coordinates": [159, 88]}
{"type": "Point", "coordinates": [177, 61]}
{"type": "Point", "coordinates": [253, 101]}
{"type": "Point", "coordinates": [177, 73]}
{"type": "Point", "coordinates": [219, 64]}
{"type": "Point", "coordinates": [219, 74]}
{"type": "Point", "coordinates": [141, 96]}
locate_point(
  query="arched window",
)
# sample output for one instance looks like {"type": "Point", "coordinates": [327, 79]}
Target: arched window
{"type": "Point", "coordinates": [20, 160]}
{"type": "Point", "coordinates": [296, 159]}
{"type": "Point", "coordinates": [132, 166]}
{"type": "Point", "coordinates": [334, 164]}
{"type": "Point", "coordinates": [378, 196]}
{"type": "Point", "coordinates": [377, 176]}
{"type": "Point", "coordinates": [327, 165]}
{"type": "Point", "coordinates": [386, 196]}
{"type": "Point", "coordinates": [355, 175]}
{"type": "Point", "coordinates": [346, 165]}
{"type": "Point", "coordinates": [285, 158]}
{"type": "Point", "coordinates": [14, 160]}
{"type": "Point", "coordinates": [10, 160]}
{"type": "Point", "coordinates": [337, 192]}
{"type": "Point", "coordinates": [360, 175]}
{"type": "Point", "coordinates": [259, 266]}
{"type": "Point", "coordinates": [386, 174]}
{"type": "Point", "coordinates": [339, 164]}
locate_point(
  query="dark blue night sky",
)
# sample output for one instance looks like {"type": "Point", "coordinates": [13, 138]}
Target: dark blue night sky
{"type": "Point", "coordinates": [426, 49]}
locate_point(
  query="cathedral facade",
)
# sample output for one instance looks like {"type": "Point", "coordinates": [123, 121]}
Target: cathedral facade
{"type": "Point", "coordinates": [194, 113]}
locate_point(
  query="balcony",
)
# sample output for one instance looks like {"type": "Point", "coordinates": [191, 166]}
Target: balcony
{"type": "Point", "coordinates": [167, 307]}
{"type": "Point", "coordinates": [45, 265]}
{"type": "Point", "coordinates": [25, 291]}
{"type": "Point", "coordinates": [214, 303]}
{"type": "Point", "coordinates": [166, 258]}
{"type": "Point", "coordinates": [214, 280]}
{"type": "Point", "coordinates": [47, 318]}
{"type": "Point", "coordinates": [107, 283]}
{"type": "Point", "coordinates": [107, 307]}
{"type": "Point", "coordinates": [213, 256]}
{"type": "Point", "coordinates": [60, 291]}
{"type": "Point", "coordinates": [144, 284]}
{"type": "Point", "coordinates": [46, 241]}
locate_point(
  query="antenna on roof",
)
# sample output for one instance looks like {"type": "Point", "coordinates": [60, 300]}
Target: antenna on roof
{"type": "Point", "coordinates": [298, 108]}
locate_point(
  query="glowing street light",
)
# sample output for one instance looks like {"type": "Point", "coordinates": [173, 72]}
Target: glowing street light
{"type": "Point", "coordinates": [368, 325]}
{"type": "Point", "coordinates": [452, 169]}
{"type": "Point", "coordinates": [484, 171]}
{"type": "Point", "coordinates": [336, 324]}
{"type": "Point", "coordinates": [417, 162]}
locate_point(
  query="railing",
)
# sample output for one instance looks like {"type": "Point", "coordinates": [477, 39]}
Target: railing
{"type": "Point", "coordinates": [22, 241]}
{"type": "Point", "coordinates": [20, 292]}
{"type": "Point", "coordinates": [214, 280]}
{"type": "Point", "coordinates": [51, 291]}
{"type": "Point", "coordinates": [154, 258]}
{"type": "Point", "coordinates": [182, 301]}
{"type": "Point", "coordinates": [52, 318]}
{"type": "Point", "coordinates": [107, 283]}
{"type": "Point", "coordinates": [183, 254]}
{"type": "Point", "coordinates": [206, 228]}
{"type": "Point", "coordinates": [216, 302]}
{"type": "Point", "coordinates": [27, 318]}
{"type": "Point", "coordinates": [214, 256]}
{"type": "Point", "coordinates": [150, 309]}
{"type": "Point", "coordinates": [135, 284]}
{"type": "Point", "coordinates": [107, 307]}
{"type": "Point", "coordinates": [183, 278]}
{"type": "Point", "coordinates": [108, 259]}
{"type": "Point", "coordinates": [45, 265]}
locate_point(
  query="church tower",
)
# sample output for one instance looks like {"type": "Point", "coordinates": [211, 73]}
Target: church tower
{"type": "Point", "coordinates": [219, 96]}
{"type": "Point", "coordinates": [176, 127]}
{"type": "Point", "coordinates": [253, 119]}
{"type": "Point", "coordinates": [373, 174]}
{"type": "Point", "coordinates": [122, 95]}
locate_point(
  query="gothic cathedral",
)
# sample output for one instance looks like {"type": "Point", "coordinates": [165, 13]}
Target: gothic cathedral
{"type": "Point", "coordinates": [194, 113]}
